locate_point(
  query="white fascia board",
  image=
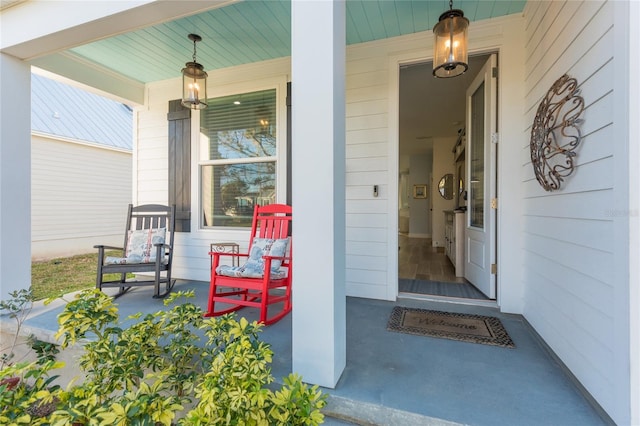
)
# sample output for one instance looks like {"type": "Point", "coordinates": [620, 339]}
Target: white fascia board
{"type": "Point", "coordinates": [33, 29]}
{"type": "Point", "coordinates": [89, 76]}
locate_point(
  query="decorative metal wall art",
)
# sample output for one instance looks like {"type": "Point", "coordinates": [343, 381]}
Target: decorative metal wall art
{"type": "Point", "coordinates": [555, 134]}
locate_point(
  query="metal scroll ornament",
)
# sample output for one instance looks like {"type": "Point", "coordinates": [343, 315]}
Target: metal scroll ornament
{"type": "Point", "coordinates": [555, 134]}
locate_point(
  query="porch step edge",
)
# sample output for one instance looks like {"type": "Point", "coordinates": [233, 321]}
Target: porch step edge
{"type": "Point", "coordinates": [368, 414]}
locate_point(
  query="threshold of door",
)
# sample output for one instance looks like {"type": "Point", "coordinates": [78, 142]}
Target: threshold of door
{"type": "Point", "coordinates": [448, 299]}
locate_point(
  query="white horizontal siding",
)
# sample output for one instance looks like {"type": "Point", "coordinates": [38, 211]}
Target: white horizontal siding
{"type": "Point", "coordinates": [367, 160]}
{"type": "Point", "coordinates": [369, 156]}
{"type": "Point", "coordinates": [79, 197]}
{"type": "Point", "coordinates": [152, 150]}
{"type": "Point", "coordinates": [568, 238]}
{"type": "Point", "coordinates": [191, 259]}
{"type": "Point", "coordinates": [366, 165]}
{"type": "Point", "coordinates": [590, 233]}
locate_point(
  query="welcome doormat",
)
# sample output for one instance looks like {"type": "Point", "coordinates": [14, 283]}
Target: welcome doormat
{"type": "Point", "coordinates": [450, 325]}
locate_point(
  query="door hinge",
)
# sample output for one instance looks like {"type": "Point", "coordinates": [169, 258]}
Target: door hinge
{"type": "Point", "coordinates": [494, 203]}
{"type": "Point", "coordinates": [494, 269]}
{"type": "Point", "coordinates": [495, 138]}
{"type": "Point", "coordinates": [494, 72]}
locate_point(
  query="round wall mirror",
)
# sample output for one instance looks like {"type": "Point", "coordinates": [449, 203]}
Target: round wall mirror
{"type": "Point", "coordinates": [445, 186]}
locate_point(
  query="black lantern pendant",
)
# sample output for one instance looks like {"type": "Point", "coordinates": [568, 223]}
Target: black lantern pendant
{"type": "Point", "coordinates": [194, 81]}
{"type": "Point", "coordinates": [450, 48]}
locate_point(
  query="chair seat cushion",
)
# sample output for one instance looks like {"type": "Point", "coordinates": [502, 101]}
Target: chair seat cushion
{"type": "Point", "coordinates": [240, 271]}
{"type": "Point", "coordinates": [112, 260]}
{"type": "Point", "coordinates": [140, 243]}
{"type": "Point", "coordinates": [254, 266]}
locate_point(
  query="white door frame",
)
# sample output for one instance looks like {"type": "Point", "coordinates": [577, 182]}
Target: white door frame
{"type": "Point", "coordinates": [394, 63]}
{"type": "Point", "coordinates": [393, 166]}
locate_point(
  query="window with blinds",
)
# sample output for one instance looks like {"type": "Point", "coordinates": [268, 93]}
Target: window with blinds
{"type": "Point", "coordinates": [237, 157]}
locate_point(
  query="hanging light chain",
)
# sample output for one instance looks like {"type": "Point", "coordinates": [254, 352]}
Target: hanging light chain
{"type": "Point", "coordinates": [194, 50]}
{"type": "Point", "coordinates": [195, 38]}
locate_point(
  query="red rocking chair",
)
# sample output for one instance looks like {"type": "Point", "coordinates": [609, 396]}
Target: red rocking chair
{"type": "Point", "coordinates": [265, 278]}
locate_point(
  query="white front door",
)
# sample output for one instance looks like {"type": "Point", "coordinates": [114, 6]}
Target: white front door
{"type": "Point", "coordinates": [480, 232]}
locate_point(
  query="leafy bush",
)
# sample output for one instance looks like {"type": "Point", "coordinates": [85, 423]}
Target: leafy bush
{"type": "Point", "coordinates": [18, 308]}
{"type": "Point", "coordinates": [148, 373]}
{"type": "Point", "coordinates": [27, 395]}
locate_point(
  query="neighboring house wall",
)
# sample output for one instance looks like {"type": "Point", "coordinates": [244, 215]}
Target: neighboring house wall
{"type": "Point", "coordinates": [79, 196]}
{"type": "Point", "coordinates": [80, 169]}
{"type": "Point", "coordinates": [572, 237]}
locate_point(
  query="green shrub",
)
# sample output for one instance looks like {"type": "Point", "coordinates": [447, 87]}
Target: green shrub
{"type": "Point", "coordinates": [27, 393]}
{"type": "Point", "coordinates": [18, 308]}
{"type": "Point", "coordinates": [146, 374]}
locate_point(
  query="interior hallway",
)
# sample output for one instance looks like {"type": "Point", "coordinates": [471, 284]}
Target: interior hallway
{"type": "Point", "coordinates": [417, 259]}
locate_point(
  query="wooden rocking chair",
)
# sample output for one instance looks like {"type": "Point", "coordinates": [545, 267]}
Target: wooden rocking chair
{"type": "Point", "coordinates": [148, 247]}
{"type": "Point", "coordinates": [265, 278]}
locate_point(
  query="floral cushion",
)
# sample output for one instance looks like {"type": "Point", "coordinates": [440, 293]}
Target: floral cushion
{"type": "Point", "coordinates": [254, 266]}
{"type": "Point", "coordinates": [140, 246]}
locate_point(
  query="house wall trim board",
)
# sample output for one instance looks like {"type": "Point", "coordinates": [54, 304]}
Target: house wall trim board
{"type": "Point", "coordinates": [626, 88]}
{"type": "Point", "coordinates": [631, 17]}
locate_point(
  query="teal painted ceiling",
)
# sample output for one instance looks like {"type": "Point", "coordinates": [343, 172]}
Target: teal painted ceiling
{"type": "Point", "coordinates": [253, 31]}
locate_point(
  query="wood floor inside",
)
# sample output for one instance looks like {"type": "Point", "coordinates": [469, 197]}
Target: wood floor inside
{"type": "Point", "coordinates": [426, 270]}
{"type": "Point", "coordinates": [417, 259]}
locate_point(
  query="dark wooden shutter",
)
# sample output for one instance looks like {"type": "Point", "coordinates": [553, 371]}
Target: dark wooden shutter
{"type": "Point", "coordinates": [179, 119]}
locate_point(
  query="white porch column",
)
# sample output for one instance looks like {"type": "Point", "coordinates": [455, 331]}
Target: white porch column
{"type": "Point", "coordinates": [318, 183]}
{"type": "Point", "coordinates": [15, 175]}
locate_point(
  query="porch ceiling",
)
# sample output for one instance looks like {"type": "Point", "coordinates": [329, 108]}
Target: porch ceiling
{"type": "Point", "coordinates": [253, 31]}
{"type": "Point", "coordinates": [150, 45]}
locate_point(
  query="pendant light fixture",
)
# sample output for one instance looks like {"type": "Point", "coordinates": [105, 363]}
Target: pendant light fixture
{"type": "Point", "coordinates": [194, 81]}
{"type": "Point", "coordinates": [450, 48]}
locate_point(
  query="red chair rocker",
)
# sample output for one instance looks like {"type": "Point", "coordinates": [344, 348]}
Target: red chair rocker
{"type": "Point", "coordinates": [265, 278]}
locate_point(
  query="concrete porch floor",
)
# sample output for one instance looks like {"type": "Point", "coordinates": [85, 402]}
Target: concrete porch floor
{"type": "Point", "coordinates": [401, 379]}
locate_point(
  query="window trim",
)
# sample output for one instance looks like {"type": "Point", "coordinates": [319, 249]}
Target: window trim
{"type": "Point", "coordinates": [280, 159]}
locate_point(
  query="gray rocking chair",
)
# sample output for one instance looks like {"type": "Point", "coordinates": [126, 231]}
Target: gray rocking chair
{"type": "Point", "coordinates": [148, 247]}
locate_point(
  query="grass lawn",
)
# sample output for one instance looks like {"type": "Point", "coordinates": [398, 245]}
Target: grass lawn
{"type": "Point", "coordinates": [56, 277]}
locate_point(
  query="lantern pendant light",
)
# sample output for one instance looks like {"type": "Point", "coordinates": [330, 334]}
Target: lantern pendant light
{"type": "Point", "coordinates": [450, 48]}
{"type": "Point", "coordinates": [194, 81]}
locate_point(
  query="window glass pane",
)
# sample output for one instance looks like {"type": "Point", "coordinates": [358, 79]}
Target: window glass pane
{"type": "Point", "coordinates": [230, 192]}
{"type": "Point", "coordinates": [239, 126]}
{"type": "Point", "coordinates": [476, 217]}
